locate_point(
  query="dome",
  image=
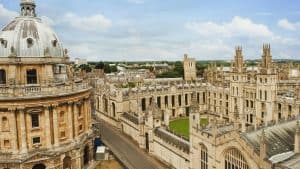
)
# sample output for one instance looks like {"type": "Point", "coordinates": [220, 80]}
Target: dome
{"type": "Point", "coordinates": [28, 36]}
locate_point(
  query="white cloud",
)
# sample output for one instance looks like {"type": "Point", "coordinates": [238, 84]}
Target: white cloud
{"type": "Point", "coordinates": [237, 27]}
{"type": "Point", "coordinates": [93, 23]}
{"type": "Point", "coordinates": [6, 15]}
{"type": "Point", "coordinates": [285, 24]}
{"type": "Point", "coordinates": [136, 1]}
{"type": "Point", "coordinates": [48, 21]}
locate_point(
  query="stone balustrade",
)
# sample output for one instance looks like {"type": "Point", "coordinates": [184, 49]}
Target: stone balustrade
{"type": "Point", "coordinates": [41, 90]}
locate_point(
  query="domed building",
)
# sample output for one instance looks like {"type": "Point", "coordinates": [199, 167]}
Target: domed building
{"type": "Point", "coordinates": [45, 112]}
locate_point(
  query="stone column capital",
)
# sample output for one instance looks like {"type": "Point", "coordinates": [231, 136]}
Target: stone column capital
{"type": "Point", "coordinates": [12, 109]}
{"type": "Point", "coordinates": [70, 102]}
{"type": "Point", "coordinates": [54, 105]}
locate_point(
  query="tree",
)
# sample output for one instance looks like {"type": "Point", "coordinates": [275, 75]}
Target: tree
{"type": "Point", "coordinates": [99, 65]}
{"type": "Point", "coordinates": [85, 67]}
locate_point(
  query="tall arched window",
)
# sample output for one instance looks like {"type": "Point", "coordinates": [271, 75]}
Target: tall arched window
{"type": "Point", "coordinates": [204, 157]}
{"type": "Point", "coordinates": [235, 160]}
{"type": "Point", "coordinates": [114, 109]}
{"type": "Point", "coordinates": [5, 124]}
{"type": "Point", "coordinates": [31, 76]}
{"type": "Point", "coordinates": [2, 76]}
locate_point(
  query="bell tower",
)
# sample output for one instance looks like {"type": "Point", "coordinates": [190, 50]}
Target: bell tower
{"type": "Point", "coordinates": [28, 8]}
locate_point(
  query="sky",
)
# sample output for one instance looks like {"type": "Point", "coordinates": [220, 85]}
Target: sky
{"type": "Point", "coordinates": [145, 30]}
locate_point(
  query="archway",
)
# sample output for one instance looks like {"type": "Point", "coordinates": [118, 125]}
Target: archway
{"type": "Point", "coordinates": [86, 156]}
{"type": "Point", "coordinates": [39, 166]}
{"type": "Point", "coordinates": [67, 163]}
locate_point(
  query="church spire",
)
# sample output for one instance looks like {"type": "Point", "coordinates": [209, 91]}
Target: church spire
{"type": "Point", "coordinates": [28, 8]}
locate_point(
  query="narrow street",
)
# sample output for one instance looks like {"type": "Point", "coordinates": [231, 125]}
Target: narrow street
{"type": "Point", "coordinates": [125, 150]}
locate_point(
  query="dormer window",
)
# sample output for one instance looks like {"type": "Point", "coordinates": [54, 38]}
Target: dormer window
{"type": "Point", "coordinates": [54, 43]}
{"type": "Point", "coordinates": [29, 42]}
{"type": "Point", "coordinates": [3, 43]}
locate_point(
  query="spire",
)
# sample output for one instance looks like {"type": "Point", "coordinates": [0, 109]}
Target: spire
{"type": "Point", "coordinates": [263, 146]}
{"type": "Point", "coordinates": [28, 8]}
{"type": "Point", "coordinates": [194, 103]}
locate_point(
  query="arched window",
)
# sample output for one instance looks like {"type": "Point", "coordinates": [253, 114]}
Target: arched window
{"type": "Point", "coordinates": [31, 76]}
{"type": "Point", "coordinates": [235, 160]}
{"type": "Point", "coordinates": [204, 157]}
{"type": "Point", "coordinates": [86, 156]}
{"type": "Point", "coordinates": [67, 163]}
{"type": "Point", "coordinates": [39, 166]}
{"type": "Point", "coordinates": [143, 104]}
{"type": "Point", "coordinates": [5, 124]}
{"type": "Point", "coordinates": [2, 76]}
{"type": "Point", "coordinates": [114, 109]}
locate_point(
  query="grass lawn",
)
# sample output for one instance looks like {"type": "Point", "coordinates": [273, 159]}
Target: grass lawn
{"type": "Point", "coordinates": [181, 126]}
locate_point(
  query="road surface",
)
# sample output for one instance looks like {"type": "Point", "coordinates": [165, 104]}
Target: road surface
{"type": "Point", "coordinates": [125, 150]}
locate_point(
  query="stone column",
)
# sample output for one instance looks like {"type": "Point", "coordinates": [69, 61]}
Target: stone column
{"type": "Point", "coordinates": [47, 127]}
{"type": "Point", "coordinates": [70, 120]}
{"type": "Point", "coordinates": [85, 115]}
{"type": "Point", "coordinates": [14, 128]}
{"type": "Point", "coordinates": [75, 119]}
{"type": "Point", "coordinates": [23, 131]}
{"type": "Point", "coordinates": [55, 126]}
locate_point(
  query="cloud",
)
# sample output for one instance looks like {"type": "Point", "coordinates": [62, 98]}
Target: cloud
{"type": "Point", "coordinates": [92, 23]}
{"type": "Point", "coordinates": [136, 1]}
{"type": "Point", "coordinates": [6, 15]}
{"type": "Point", "coordinates": [237, 27]}
{"type": "Point", "coordinates": [285, 24]}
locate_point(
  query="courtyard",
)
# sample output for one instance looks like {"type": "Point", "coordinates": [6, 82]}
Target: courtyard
{"type": "Point", "coordinates": [181, 126]}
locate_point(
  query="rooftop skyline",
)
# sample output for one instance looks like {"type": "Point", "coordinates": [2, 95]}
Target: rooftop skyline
{"type": "Point", "coordinates": [134, 30]}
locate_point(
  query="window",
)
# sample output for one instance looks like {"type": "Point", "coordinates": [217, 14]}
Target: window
{"type": "Point", "coordinates": [5, 124]}
{"type": "Point", "coordinates": [186, 99]}
{"type": "Point", "coordinates": [62, 134]}
{"type": "Point", "coordinates": [31, 76]}
{"type": "Point", "coordinates": [198, 97]}
{"type": "Point", "coordinates": [158, 102]}
{"type": "Point", "coordinates": [36, 140]}
{"type": "Point", "coordinates": [80, 127]}
{"type": "Point", "coordinates": [62, 117]}
{"type": "Point", "coordinates": [166, 100]}
{"type": "Point", "coordinates": [173, 101]}
{"type": "Point", "coordinates": [3, 43]}
{"type": "Point", "coordinates": [2, 76]}
{"type": "Point", "coordinates": [179, 100]}
{"type": "Point", "coordinates": [204, 158]}
{"type": "Point", "coordinates": [143, 104]}
{"type": "Point", "coordinates": [35, 120]}
{"type": "Point", "coordinates": [29, 42]}
{"type": "Point", "coordinates": [6, 144]}
{"type": "Point", "coordinates": [54, 43]}
{"type": "Point", "coordinates": [235, 160]}
{"type": "Point", "coordinates": [266, 95]}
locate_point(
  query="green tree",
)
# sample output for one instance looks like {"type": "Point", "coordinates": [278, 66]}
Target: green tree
{"type": "Point", "coordinates": [99, 65]}
{"type": "Point", "coordinates": [85, 67]}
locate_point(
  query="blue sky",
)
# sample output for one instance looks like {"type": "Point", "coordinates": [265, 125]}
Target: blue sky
{"type": "Point", "coordinates": [111, 30]}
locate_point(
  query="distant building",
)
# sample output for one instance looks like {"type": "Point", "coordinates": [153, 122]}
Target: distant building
{"type": "Point", "coordinates": [189, 66]}
{"type": "Point", "coordinates": [79, 61]}
{"type": "Point", "coordinates": [252, 113]}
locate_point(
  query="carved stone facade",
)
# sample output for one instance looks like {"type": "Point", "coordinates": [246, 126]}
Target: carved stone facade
{"type": "Point", "coordinates": [240, 102]}
{"type": "Point", "coordinates": [189, 66]}
{"type": "Point", "coordinates": [45, 112]}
